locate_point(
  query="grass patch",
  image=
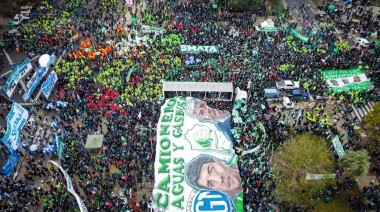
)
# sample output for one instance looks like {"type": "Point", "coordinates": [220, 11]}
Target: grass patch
{"type": "Point", "coordinates": [376, 3]}
{"type": "Point", "coordinates": [304, 154]}
{"type": "Point", "coordinates": [341, 203]}
{"type": "Point", "coordinates": [276, 6]}
{"type": "Point", "coordinates": [309, 154]}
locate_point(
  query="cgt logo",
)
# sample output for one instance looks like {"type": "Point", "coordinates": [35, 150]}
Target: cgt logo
{"type": "Point", "coordinates": [212, 201]}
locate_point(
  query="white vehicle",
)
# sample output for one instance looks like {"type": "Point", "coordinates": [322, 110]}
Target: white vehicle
{"type": "Point", "coordinates": [19, 18]}
{"type": "Point", "coordinates": [27, 10]}
{"type": "Point", "coordinates": [266, 24]}
{"type": "Point", "coordinates": [362, 42]}
{"type": "Point", "coordinates": [288, 104]}
{"type": "Point", "coordinates": [287, 85]}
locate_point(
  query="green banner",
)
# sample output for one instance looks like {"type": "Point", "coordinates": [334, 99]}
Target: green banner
{"type": "Point", "coordinates": [198, 49]}
{"type": "Point", "coordinates": [196, 168]}
{"type": "Point", "coordinates": [60, 146]}
{"type": "Point", "coordinates": [300, 36]}
{"type": "Point", "coordinates": [130, 72]}
{"type": "Point", "coordinates": [262, 128]}
{"type": "Point", "coordinates": [338, 146]}
{"type": "Point", "coordinates": [269, 29]}
{"type": "Point", "coordinates": [346, 80]}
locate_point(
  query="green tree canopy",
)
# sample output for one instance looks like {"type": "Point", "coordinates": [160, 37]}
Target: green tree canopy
{"type": "Point", "coordinates": [304, 154]}
{"type": "Point", "coordinates": [371, 127]}
{"type": "Point", "coordinates": [240, 4]}
{"type": "Point", "coordinates": [355, 163]}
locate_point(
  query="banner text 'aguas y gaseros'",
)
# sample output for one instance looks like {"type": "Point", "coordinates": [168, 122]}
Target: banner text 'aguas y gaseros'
{"type": "Point", "coordinates": [195, 165]}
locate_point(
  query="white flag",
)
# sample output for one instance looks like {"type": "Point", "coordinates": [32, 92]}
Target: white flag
{"type": "Point", "coordinates": [245, 152]}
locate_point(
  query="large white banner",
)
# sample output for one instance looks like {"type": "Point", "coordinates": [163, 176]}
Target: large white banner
{"type": "Point", "coordinates": [339, 80]}
{"type": "Point", "coordinates": [70, 187]}
{"type": "Point", "coordinates": [195, 165]}
{"type": "Point", "coordinates": [19, 71]}
{"type": "Point", "coordinates": [16, 120]}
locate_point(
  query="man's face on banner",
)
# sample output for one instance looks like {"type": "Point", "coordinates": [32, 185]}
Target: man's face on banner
{"type": "Point", "coordinates": [357, 79]}
{"type": "Point", "coordinates": [334, 82]}
{"type": "Point", "coordinates": [202, 110]}
{"type": "Point", "coordinates": [217, 176]}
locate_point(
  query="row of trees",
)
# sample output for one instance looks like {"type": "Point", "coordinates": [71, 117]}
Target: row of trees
{"type": "Point", "coordinates": [307, 153]}
{"type": "Point", "coordinates": [310, 154]}
{"type": "Point", "coordinates": [370, 136]}
{"type": "Point", "coordinates": [241, 5]}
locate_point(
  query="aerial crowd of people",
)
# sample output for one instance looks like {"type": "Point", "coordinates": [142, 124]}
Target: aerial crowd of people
{"type": "Point", "coordinates": [110, 76]}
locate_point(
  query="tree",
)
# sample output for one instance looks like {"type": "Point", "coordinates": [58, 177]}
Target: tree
{"type": "Point", "coordinates": [371, 142]}
{"type": "Point", "coordinates": [354, 163]}
{"type": "Point", "coordinates": [304, 154]}
{"type": "Point", "coordinates": [236, 5]}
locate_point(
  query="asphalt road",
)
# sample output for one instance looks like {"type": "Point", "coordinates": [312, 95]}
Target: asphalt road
{"type": "Point", "coordinates": [296, 9]}
{"type": "Point", "coordinates": [12, 57]}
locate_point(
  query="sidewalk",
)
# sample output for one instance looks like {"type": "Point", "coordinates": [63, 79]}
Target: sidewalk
{"type": "Point", "coordinates": [341, 3]}
{"type": "Point", "coordinates": [135, 9]}
{"type": "Point", "coordinates": [3, 24]}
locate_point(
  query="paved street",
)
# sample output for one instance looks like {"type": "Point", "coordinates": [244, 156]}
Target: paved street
{"type": "Point", "coordinates": [43, 130]}
{"type": "Point", "coordinates": [12, 57]}
{"type": "Point", "coordinates": [298, 11]}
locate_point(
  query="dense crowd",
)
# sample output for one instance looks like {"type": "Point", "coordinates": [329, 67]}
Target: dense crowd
{"type": "Point", "coordinates": [110, 78]}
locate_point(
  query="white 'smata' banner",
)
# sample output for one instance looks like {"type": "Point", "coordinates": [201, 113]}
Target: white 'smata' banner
{"type": "Point", "coordinates": [16, 120]}
{"type": "Point", "coordinates": [196, 168]}
{"type": "Point", "coordinates": [198, 49]}
{"type": "Point", "coordinates": [70, 187]}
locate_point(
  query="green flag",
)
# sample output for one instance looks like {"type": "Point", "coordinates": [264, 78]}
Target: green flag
{"type": "Point", "coordinates": [130, 73]}
{"type": "Point", "coordinates": [261, 127]}
{"type": "Point", "coordinates": [252, 117]}
{"type": "Point", "coordinates": [235, 133]}
{"type": "Point", "coordinates": [238, 104]}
